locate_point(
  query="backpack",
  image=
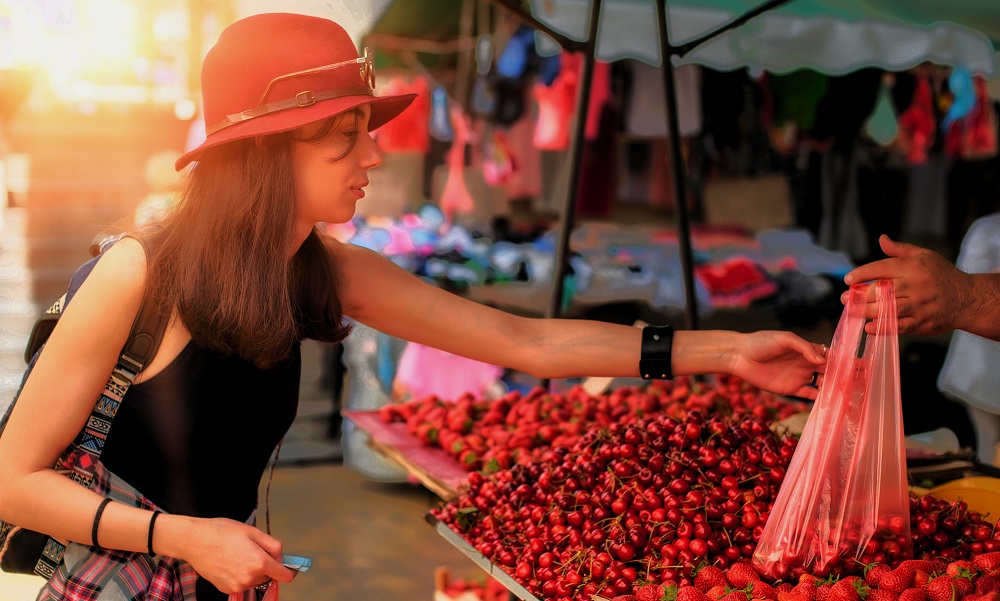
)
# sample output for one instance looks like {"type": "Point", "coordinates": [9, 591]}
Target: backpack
{"type": "Point", "coordinates": [24, 551]}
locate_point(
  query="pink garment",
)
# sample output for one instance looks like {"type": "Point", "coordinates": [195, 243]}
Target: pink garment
{"type": "Point", "coordinates": [409, 131]}
{"type": "Point", "coordinates": [456, 198]}
{"type": "Point", "coordinates": [526, 179]}
{"type": "Point", "coordinates": [424, 371]}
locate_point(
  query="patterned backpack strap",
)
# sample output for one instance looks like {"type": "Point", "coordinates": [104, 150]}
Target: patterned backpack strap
{"type": "Point", "coordinates": [79, 464]}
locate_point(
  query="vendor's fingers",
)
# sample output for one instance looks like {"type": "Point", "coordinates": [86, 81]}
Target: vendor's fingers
{"type": "Point", "coordinates": [893, 248]}
{"type": "Point", "coordinates": [907, 325]}
{"type": "Point", "coordinates": [872, 271]}
{"type": "Point", "coordinates": [904, 307]}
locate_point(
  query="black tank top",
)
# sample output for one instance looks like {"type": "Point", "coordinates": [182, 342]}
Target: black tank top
{"type": "Point", "coordinates": [196, 437]}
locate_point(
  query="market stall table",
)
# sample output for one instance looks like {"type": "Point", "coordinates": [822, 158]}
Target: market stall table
{"type": "Point", "coordinates": [433, 467]}
{"type": "Point", "coordinates": [440, 473]}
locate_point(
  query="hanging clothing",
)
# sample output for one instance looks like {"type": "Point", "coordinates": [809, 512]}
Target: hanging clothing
{"type": "Point", "coordinates": [556, 105]}
{"type": "Point", "coordinates": [796, 96]}
{"type": "Point", "coordinates": [646, 108]}
{"type": "Point", "coordinates": [600, 96]}
{"type": "Point", "coordinates": [917, 123]}
{"type": "Point", "coordinates": [409, 132]}
{"type": "Point", "coordinates": [974, 136]}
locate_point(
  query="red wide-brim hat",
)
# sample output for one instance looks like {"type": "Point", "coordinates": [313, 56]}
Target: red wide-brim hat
{"type": "Point", "coordinates": [284, 55]}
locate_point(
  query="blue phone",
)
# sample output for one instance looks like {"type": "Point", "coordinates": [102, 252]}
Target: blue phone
{"type": "Point", "coordinates": [295, 562]}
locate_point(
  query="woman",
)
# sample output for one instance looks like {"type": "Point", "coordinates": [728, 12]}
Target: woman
{"type": "Point", "coordinates": [245, 276]}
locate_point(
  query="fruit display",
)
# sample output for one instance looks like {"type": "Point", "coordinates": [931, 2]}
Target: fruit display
{"type": "Point", "coordinates": [661, 493]}
{"type": "Point", "coordinates": [517, 429]}
{"type": "Point", "coordinates": [452, 588]}
{"type": "Point", "coordinates": [657, 505]}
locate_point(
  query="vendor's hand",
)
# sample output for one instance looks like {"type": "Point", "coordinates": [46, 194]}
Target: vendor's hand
{"type": "Point", "coordinates": [234, 556]}
{"type": "Point", "coordinates": [929, 289]}
{"type": "Point", "coordinates": [780, 362]}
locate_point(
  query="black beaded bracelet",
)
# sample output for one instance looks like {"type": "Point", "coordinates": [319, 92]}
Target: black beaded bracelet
{"type": "Point", "coordinates": [97, 521]}
{"type": "Point", "coordinates": [149, 539]}
{"type": "Point", "coordinates": [657, 343]}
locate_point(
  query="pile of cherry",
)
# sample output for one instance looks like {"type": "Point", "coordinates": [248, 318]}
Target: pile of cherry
{"type": "Point", "coordinates": [654, 506]}
{"type": "Point", "coordinates": [517, 429]}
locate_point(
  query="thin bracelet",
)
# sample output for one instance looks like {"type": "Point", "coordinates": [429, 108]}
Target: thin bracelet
{"type": "Point", "coordinates": [97, 520]}
{"type": "Point", "coordinates": [149, 540]}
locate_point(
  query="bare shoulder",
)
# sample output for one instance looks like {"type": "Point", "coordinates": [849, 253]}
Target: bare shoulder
{"type": "Point", "coordinates": [351, 258]}
{"type": "Point", "coordinates": [120, 274]}
{"type": "Point", "coordinates": [124, 262]}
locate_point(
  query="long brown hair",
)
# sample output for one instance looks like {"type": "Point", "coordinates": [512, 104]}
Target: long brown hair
{"type": "Point", "coordinates": [220, 257]}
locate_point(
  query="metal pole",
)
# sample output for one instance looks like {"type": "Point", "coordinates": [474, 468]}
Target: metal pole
{"type": "Point", "coordinates": [679, 169]}
{"type": "Point", "coordinates": [572, 166]}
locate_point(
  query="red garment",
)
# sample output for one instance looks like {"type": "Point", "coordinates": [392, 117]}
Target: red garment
{"type": "Point", "coordinates": [916, 124]}
{"type": "Point", "coordinates": [556, 104]}
{"type": "Point", "coordinates": [600, 95]}
{"type": "Point", "coordinates": [974, 136]}
{"type": "Point", "coordinates": [736, 282]}
{"type": "Point", "coordinates": [409, 131]}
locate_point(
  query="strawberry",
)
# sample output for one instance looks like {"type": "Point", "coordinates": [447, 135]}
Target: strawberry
{"type": "Point", "coordinates": [874, 574]}
{"type": "Point", "coordinates": [898, 580]}
{"type": "Point", "coordinates": [941, 589]}
{"type": "Point", "coordinates": [792, 597]}
{"type": "Point", "coordinates": [650, 592]}
{"type": "Point", "coordinates": [963, 586]}
{"type": "Point", "coordinates": [740, 575]}
{"type": "Point", "coordinates": [961, 569]}
{"type": "Point", "coordinates": [716, 592]}
{"type": "Point", "coordinates": [845, 590]}
{"type": "Point", "coordinates": [709, 576]}
{"type": "Point", "coordinates": [823, 592]}
{"type": "Point", "coordinates": [938, 566]}
{"type": "Point", "coordinates": [735, 596]}
{"type": "Point", "coordinates": [987, 563]}
{"type": "Point", "coordinates": [987, 584]}
{"type": "Point", "coordinates": [625, 598]}
{"type": "Point", "coordinates": [921, 578]}
{"type": "Point", "coordinates": [785, 587]}
{"type": "Point", "coordinates": [990, 596]}
{"type": "Point", "coordinates": [805, 589]}
{"type": "Point", "coordinates": [688, 593]}
{"type": "Point", "coordinates": [762, 590]}
{"type": "Point", "coordinates": [924, 565]}
{"type": "Point", "coordinates": [913, 594]}
{"type": "Point", "coordinates": [843, 594]}
{"type": "Point", "coordinates": [882, 595]}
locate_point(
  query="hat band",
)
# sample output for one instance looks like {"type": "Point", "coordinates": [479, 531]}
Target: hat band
{"type": "Point", "coordinates": [300, 100]}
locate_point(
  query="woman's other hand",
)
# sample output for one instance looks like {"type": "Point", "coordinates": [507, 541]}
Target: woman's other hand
{"type": "Point", "coordinates": [233, 556]}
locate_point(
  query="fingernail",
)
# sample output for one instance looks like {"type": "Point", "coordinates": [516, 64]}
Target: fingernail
{"type": "Point", "coordinates": [848, 279]}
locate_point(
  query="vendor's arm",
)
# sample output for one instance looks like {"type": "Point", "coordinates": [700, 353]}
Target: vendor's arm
{"type": "Point", "coordinates": [932, 295]}
{"type": "Point", "coordinates": [52, 409]}
{"type": "Point", "coordinates": [383, 296]}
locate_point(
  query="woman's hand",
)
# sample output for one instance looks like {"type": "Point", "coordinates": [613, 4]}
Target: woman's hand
{"type": "Point", "coordinates": [231, 555]}
{"type": "Point", "coordinates": [779, 362]}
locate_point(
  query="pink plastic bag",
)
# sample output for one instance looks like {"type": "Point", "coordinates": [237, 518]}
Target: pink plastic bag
{"type": "Point", "coordinates": [844, 497]}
